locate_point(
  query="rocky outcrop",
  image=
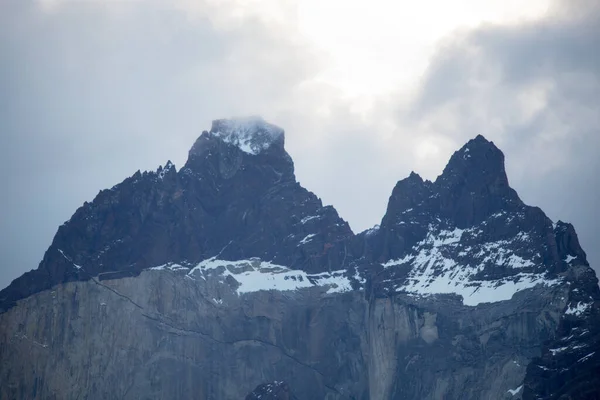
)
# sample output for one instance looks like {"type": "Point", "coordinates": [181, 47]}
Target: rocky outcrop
{"type": "Point", "coordinates": [228, 280]}
{"type": "Point", "coordinates": [569, 365]}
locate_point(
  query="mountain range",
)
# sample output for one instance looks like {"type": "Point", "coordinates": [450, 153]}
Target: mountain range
{"type": "Point", "coordinates": [226, 279]}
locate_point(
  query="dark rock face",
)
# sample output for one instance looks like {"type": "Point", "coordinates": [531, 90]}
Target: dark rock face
{"type": "Point", "coordinates": [569, 366]}
{"type": "Point", "coordinates": [474, 185]}
{"type": "Point", "coordinates": [209, 281]}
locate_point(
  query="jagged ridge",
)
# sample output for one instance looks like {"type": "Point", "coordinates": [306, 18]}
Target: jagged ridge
{"type": "Point", "coordinates": [462, 254]}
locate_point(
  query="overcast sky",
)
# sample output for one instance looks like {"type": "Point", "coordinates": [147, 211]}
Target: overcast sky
{"type": "Point", "coordinates": [368, 90]}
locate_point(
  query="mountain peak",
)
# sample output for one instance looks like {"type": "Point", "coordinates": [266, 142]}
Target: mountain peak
{"type": "Point", "coordinates": [474, 183]}
{"type": "Point", "coordinates": [242, 144]}
{"type": "Point", "coordinates": [479, 161]}
{"type": "Point", "coordinates": [168, 169]}
{"type": "Point", "coordinates": [481, 151]}
{"type": "Point", "coordinates": [415, 177]}
{"type": "Point", "coordinates": [252, 134]}
{"type": "Point", "coordinates": [481, 138]}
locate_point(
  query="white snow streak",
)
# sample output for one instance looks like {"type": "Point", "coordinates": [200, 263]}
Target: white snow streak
{"type": "Point", "coordinates": [433, 272]}
{"type": "Point", "coordinates": [372, 230]}
{"type": "Point", "coordinates": [307, 239]}
{"type": "Point", "coordinates": [170, 266]}
{"type": "Point", "coordinates": [558, 350]}
{"type": "Point", "coordinates": [585, 358]}
{"type": "Point", "coordinates": [515, 391]}
{"type": "Point", "coordinates": [306, 219]}
{"type": "Point", "coordinates": [68, 259]}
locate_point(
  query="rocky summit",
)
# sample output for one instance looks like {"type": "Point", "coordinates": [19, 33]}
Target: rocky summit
{"type": "Point", "coordinates": [226, 279]}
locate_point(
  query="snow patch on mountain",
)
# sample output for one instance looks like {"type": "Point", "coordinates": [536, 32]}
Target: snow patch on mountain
{"type": "Point", "coordinates": [558, 350]}
{"type": "Point", "coordinates": [372, 231]}
{"type": "Point", "coordinates": [309, 218]}
{"type": "Point", "coordinates": [578, 309]}
{"type": "Point", "coordinates": [253, 275]}
{"type": "Point", "coordinates": [170, 267]}
{"type": "Point", "coordinates": [585, 358]}
{"type": "Point", "coordinates": [252, 135]}
{"type": "Point", "coordinates": [443, 264]}
{"type": "Point", "coordinates": [162, 172]}
{"type": "Point", "coordinates": [514, 392]}
{"type": "Point", "coordinates": [569, 259]}
{"type": "Point", "coordinates": [69, 259]}
{"type": "Point", "coordinates": [308, 238]}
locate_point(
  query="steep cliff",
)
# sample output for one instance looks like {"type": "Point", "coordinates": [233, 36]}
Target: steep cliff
{"type": "Point", "coordinates": [228, 280]}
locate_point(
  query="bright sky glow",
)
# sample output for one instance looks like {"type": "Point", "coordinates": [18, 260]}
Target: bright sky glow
{"type": "Point", "coordinates": [377, 45]}
{"type": "Point", "coordinates": [369, 47]}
